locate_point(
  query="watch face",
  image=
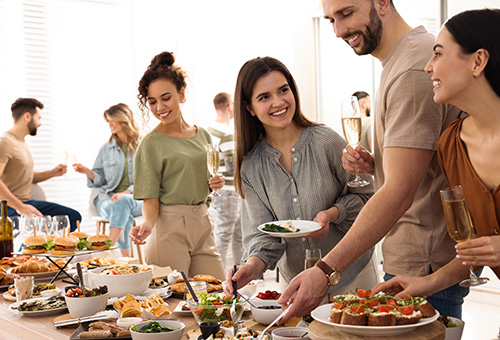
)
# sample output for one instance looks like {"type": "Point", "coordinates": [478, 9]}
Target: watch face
{"type": "Point", "coordinates": [335, 278]}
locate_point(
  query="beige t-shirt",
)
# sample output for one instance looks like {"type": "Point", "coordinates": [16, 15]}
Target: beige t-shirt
{"type": "Point", "coordinates": [18, 172]}
{"type": "Point", "coordinates": [407, 117]}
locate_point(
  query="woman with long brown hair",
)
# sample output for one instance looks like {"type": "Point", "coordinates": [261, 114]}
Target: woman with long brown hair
{"type": "Point", "coordinates": [289, 167]}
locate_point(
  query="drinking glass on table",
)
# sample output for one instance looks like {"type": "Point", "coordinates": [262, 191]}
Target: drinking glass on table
{"type": "Point", "coordinates": [213, 160]}
{"type": "Point", "coordinates": [45, 225]}
{"type": "Point", "coordinates": [28, 224]}
{"type": "Point", "coordinates": [460, 225]}
{"type": "Point", "coordinates": [351, 124]}
{"type": "Point", "coordinates": [312, 256]}
{"type": "Point", "coordinates": [59, 223]}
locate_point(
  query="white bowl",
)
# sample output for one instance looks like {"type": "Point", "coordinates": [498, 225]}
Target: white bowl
{"type": "Point", "coordinates": [262, 315]}
{"type": "Point", "coordinates": [126, 322]}
{"type": "Point", "coordinates": [174, 335]}
{"type": "Point", "coordinates": [249, 289]}
{"type": "Point", "coordinates": [289, 333]}
{"type": "Point", "coordinates": [86, 306]}
{"type": "Point", "coordinates": [455, 333]}
{"type": "Point", "coordinates": [121, 285]}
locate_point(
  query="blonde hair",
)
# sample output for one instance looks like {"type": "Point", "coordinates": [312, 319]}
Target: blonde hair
{"type": "Point", "coordinates": [122, 114]}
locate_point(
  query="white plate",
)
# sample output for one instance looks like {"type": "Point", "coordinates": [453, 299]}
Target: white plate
{"type": "Point", "coordinates": [322, 314]}
{"type": "Point", "coordinates": [306, 227]}
{"type": "Point", "coordinates": [36, 312]}
{"type": "Point", "coordinates": [46, 275]}
{"type": "Point", "coordinates": [178, 308]}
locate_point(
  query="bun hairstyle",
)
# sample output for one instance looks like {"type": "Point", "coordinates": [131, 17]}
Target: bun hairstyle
{"type": "Point", "coordinates": [161, 67]}
{"type": "Point", "coordinates": [474, 30]}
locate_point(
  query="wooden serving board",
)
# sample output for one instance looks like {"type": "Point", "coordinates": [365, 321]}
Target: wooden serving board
{"type": "Point", "coordinates": [432, 331]}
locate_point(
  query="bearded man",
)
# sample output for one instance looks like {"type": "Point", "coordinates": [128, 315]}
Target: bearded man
{"type": "Point", "coordinates": [406, 207]}
{"type": "Point", "coordinates": [16, 166]}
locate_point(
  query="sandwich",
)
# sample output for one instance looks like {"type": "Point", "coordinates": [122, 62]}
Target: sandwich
{"type": "Point", "coordinates": [99, 242]}
{"type": "Point", "coordinates": [82, 239]}
{"type": "Point", "coordinates": [35, 245]}
{"type": "Point", "coordinates": [64, 246]}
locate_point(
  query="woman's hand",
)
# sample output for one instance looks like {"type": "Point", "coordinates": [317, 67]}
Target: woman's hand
{"type": "Point", "coordinates": [360, 156]}
{"type": "Point", "coordinates": [80, 168]}
{"type": "Point", "coordinates": [216, 182]}
{"type": "Point", "coordinates": [482, 251]}
{"type": "Point", "coordinates": [324, 218]}
{"type": "Point", "coordinates": [401, 286]}
{"type": "Point", "coordinates": [118, 195]}
{"type": "Point", "coordinates": [243, 275]}
{"type": "Point", "coordinates": [139, 233]}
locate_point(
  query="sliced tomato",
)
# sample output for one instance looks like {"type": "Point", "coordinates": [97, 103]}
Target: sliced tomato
{"type": "Point", "coordinates": [217, 303]}
{"type": "Point", "coordinates": [198, 311]}
{"type": "Point", "coordinates": [370, 302]}
{"type": "Point", "coordinates": [357, 308]}
{"type": "Point", "coordinates": [407, 310]}
{"type": "Point", "coordinates": [228, 313]}
{"type": "Point", "coordinates": [363, 293]}
{"type": "Point", "coordinates": [385, 309]}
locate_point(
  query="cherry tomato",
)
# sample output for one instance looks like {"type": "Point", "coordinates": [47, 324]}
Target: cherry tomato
{"type": "Point", "coordinates": [408, 310]}
{"type": "Point", "coordinates": [363, 293]}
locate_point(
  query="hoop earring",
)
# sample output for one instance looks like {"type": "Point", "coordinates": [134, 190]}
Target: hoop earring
{"type": "Point", "coordinates": [183, 101]}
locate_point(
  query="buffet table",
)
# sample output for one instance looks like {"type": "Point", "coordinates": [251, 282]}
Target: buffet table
{"type": "Point", "coordinates": [17, 326]}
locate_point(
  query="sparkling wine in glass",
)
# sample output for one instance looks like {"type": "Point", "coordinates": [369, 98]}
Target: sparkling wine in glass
{"type": "Point", "coordinates": [351, 124]}
{"type": "Point", "coordinates": [460, 225]}
{"type": "Point", "coordinates": [213, 161]}
{"type": "Point", "coordinates": [312, 256]}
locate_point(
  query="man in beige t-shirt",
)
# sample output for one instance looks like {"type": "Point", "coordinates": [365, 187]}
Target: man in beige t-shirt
{"type": "Point", "coordinates": [16, 166]}
{"type": "Point", "coordinates": [406, 206]}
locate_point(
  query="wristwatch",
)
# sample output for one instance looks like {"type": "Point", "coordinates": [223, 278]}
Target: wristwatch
{"type": "Point", "coordinates": [332, 275]}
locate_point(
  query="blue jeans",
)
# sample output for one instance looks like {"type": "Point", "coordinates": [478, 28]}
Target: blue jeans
{"type": "Point", "coordinates": [120, 215]}
{"type": "Point", "coordinates": [447, 301]}
{"type": "Point", "coordinates": [52, 209]}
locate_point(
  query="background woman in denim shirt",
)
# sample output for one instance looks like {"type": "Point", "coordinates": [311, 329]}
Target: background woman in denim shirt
{"type": "Point", "coordinates": [113, 175]}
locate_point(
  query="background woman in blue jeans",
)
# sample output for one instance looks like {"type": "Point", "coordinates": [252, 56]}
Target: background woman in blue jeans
{"type": "Point", "coordinates": [113, 175]}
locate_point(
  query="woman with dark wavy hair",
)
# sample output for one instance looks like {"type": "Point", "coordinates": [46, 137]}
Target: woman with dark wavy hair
{"type": "Point", "coordinates": [172, 178]}
{"type": "Point", "coordinates": [465, 71]}
{"type": "Point", "coordinates": [289, 167]}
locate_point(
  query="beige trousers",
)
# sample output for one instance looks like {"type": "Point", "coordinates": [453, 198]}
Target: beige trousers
{"type": "Point", "coordinates": [183, 239]}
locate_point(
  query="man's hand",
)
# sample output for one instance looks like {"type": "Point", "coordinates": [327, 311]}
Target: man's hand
{"type": "Point", "coordinates": [139, 233]}
{"type": "Point", "coordinates": [27, 209]}
{"type": "Point", "coordinates": [482, 251]}
{"type": "Point", "coordinates": [59, 170]}
{"type": "Point", "coordinates": [311, 286]}
{"type": "Point", "coordinates": [117, 196]}
{"type": "Point", "coordinates": [359, 156]}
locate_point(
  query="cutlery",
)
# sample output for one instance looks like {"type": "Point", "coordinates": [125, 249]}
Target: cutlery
{"type": "Point", "coordinates": [80, 275]}
{"type": "Point", "coordinates": [232, 310]}
{"type": "Point", "coordinates": [186, 281]}
{"type": "Point", "coordinates": [272, 323]}
{"type": "Point", "coordinates": [99, 316]}
{"type": "Point", "coordinates": [247, 300]}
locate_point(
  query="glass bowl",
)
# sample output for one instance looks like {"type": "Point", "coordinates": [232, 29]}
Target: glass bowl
{"type": "Point", "coordinates": [204, 313]}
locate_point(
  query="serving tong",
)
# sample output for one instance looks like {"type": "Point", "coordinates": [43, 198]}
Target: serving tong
{"type": "Point", "coordinates": [232, 310]}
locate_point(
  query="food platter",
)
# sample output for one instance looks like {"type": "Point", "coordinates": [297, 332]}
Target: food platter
{"type": "Point", "coordinates": [306, 227]}
{"type": "Point", "coordinates": [13, 307]}
{"type": "Point", "coordinates": [41, 275]}
{"type": "Point", "coordinates": [322, 314]}
{"type": "Point", "coordinates": [85, 327]}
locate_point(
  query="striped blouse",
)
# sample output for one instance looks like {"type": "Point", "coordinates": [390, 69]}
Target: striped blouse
{"type": "Point", "coordinates": [317, 182]}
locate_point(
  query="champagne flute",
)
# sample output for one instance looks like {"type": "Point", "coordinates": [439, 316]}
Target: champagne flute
{"type": "Point", "coordinates": [460, 225]}
{"type": "Point", "coordinates": [351, 124]}
{"type": "Point", "coordinates": [213, 160]}
{"type": "Point", "coordinates": [312, 256]}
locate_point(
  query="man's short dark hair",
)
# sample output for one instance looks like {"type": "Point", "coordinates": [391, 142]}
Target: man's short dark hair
{"type": "Point", "coordinates": [360, 94]}
{"type": "Point", "coordinates": [23, 105]}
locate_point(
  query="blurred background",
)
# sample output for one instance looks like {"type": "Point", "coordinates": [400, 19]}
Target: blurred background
{"type": "Point", "coordinates": [79, 57]}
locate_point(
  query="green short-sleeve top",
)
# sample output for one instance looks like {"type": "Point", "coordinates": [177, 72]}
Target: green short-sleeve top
{"type": "Point", "coordinates": [174, 170]}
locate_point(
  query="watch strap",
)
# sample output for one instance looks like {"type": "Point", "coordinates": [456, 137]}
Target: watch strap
{"type": "Point", "coordinates": [324, 267]}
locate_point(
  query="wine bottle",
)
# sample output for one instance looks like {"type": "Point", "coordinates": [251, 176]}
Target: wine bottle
{"type": "Point", "coordinates": [6, 241]}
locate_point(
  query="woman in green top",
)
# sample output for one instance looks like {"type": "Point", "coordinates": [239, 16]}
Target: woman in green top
{"type": "Point", "coordinates": [172, 178]}
{"type": "Point", "coordinates": [113, 175]}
